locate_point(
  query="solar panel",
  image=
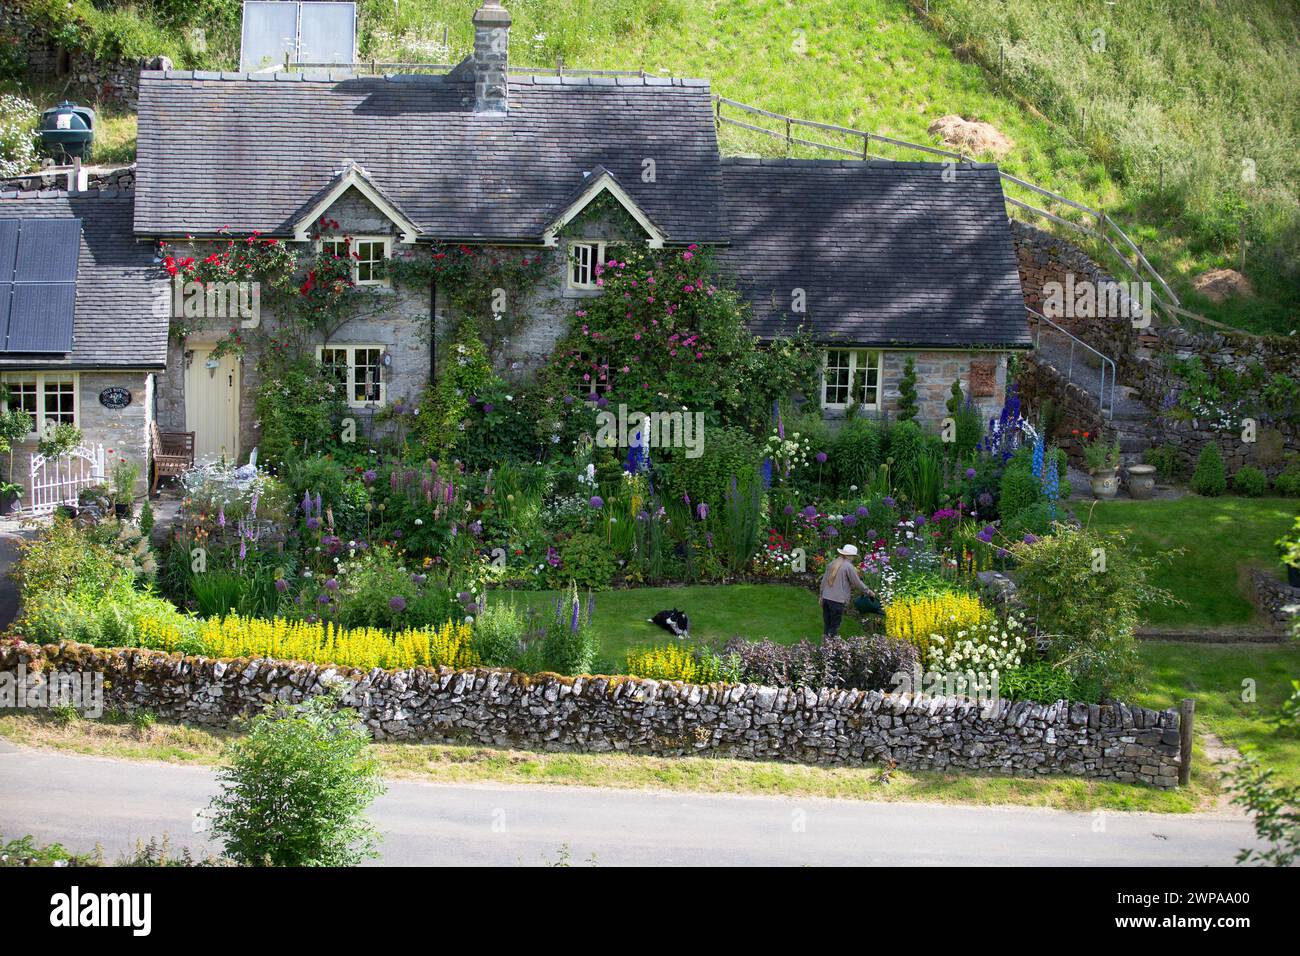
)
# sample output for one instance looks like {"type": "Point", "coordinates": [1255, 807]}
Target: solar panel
{"type": "Point", "coordinates": [48, 250]}
{"type": "Point", "coordinates": [311, 32]}
{"type": "Point", "coordinates": [38, 283]}
{"type": "Point", "coordinates": [40, 317]}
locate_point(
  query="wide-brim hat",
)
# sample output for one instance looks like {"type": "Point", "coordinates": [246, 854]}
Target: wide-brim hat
{"type": "Point", "coordinates": [848, 551]}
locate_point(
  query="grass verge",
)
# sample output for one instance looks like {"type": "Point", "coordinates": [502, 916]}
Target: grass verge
{"type": "Point", "coordinates": [450, 764]}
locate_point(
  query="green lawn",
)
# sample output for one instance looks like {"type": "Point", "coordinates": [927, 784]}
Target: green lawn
{"type": "Point", "coordinates": [782, 612]}
{"type": "Point", "coordinates": [1220, 537]}
{"type": "Point", "coordinates": [1223, 679]}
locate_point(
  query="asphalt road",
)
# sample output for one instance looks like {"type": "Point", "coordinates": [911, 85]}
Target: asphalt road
{"type": "Point", "coordinates": [82, 801]}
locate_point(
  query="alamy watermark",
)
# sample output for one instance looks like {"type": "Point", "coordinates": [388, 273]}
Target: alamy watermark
{"type": "Point", "coordinates": [975, 685]}
{"type": "Point", "coordinates": [626, 429]}
{"type": "Point", "coordinates": [1085, 299]}
{"type": "Point", "coordinates": [227, 301]}
{"type": "Point", "coordinates": [83, 690]}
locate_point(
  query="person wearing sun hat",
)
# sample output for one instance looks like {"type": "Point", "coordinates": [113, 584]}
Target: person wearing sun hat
{"type": "Point", "coordinates": [838, 582]}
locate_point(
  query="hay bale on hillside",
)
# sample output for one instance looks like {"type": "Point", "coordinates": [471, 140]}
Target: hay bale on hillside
{"type": "Point", "coordinates": [971, 136]}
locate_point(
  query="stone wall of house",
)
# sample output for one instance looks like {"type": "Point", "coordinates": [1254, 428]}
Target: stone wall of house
{"type": "Point", "coordinates": [935, 372]}
{"type": "Point", "coordinates": [1142, 356]}
{"type": "Point", "coordinates": [124, 432]}
{"type": "Point", "coordinates": [601, 714]}
{"type": "Point", "coordinates": [111, 81]}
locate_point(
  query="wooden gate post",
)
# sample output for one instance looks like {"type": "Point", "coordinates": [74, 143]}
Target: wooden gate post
{"type": "Point", "coordinates": [1186, 713]}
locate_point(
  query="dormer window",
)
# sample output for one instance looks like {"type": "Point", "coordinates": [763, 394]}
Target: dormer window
{"type": "Point", "coordinates": [583, 259]}
{"type": "Point", "coordinates": [367, 254]}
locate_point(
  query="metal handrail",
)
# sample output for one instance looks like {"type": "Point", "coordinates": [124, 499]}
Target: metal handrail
{"type": "Point", "coordinates": [1069, 371]}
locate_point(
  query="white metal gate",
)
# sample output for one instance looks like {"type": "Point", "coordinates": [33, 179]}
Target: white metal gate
{"type": "Point", "coordinates": [56, 481]}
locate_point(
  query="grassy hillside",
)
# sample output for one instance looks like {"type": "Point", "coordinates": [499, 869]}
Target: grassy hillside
{"type": "Point", "coordinates": [1184, 87]}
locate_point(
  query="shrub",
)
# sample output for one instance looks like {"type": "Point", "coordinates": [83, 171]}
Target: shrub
{"type": "Point", "coordinates": [906, 444]}
{"type": "Point", "coordinates": [1168, 463]}
{"type": "Point", "coordinates": [986, 647]}
{"type": "Point", "coordinates": [498, 634]}
{"type": "Point", "coordinates": [321, 643]}
{"type": "Point", "coordinates": [907, 391]}
{"type": "Point", "coordinates": [694, 665]}
{"type": "Point", "coordinates": [64, 560]}
{"type": "Point", "coordinates": [1019, 489]}
{"type": "Point", "coordinates": [1040, 681]}
{"type": "Point", "coordinates": [587, 559]}
{"type": "Point", "coordinates": [857, 452]}
{"type": "Point", "coordinates": [1086, 589]}
{"type": "Point", "coordinates": [379, 592]}
{"type": "Point", "coordinates": [865, 663]}
{"type": "Point", "coordinates": [918, 620]}
{"type": "Point", "coordinates": [1288, 482]}
{"type": "Point", "coordinates": [1209, 478]}
{"type": "Point", "coordinates": [569, 645]}
{"type": "Point", "coordinates": [728, 452]}
{"type": "Point", "coordinates": [121, 617]}
{"type": "Point", "coordinates": [297, 788]}
{"type": "Point", "coordinates": [1250, 481]}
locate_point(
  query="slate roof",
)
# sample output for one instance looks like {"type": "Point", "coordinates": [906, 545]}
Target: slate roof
{"type": "Point", "coordinates": [114, 325]}
{"type": "Point", "coordinates": [889, 254]}
{"type": "Point", "coordinates": [248, 151]}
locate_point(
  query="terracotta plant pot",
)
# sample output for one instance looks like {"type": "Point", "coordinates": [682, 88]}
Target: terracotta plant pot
{"type": "Point", "coordinates": [1105, 483]}
{"type": "Point", "coordinates": [1141, 481]}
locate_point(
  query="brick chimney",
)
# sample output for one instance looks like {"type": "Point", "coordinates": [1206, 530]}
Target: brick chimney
{"type": "Point", "coordinates": [491, 57]}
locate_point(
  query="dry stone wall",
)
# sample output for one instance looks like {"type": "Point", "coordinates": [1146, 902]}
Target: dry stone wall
{"type": "Point", "coordinates": [602, 714]}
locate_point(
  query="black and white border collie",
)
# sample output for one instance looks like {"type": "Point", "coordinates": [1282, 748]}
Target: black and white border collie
{"type": "Point", "coordinates": [674, 622]}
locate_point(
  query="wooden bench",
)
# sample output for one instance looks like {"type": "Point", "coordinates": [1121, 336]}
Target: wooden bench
{"type": "Point", "coordinates": [173, 455]}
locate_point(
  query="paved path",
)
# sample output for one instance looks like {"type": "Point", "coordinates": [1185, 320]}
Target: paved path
{"type": "Point", "coordinates": [80, 801]}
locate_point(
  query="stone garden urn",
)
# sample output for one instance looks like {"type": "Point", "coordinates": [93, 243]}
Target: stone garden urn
{"type": "Point", "coordinates": [1141, 481]}
{"type": "Point", "coordinates": [1105, 482]}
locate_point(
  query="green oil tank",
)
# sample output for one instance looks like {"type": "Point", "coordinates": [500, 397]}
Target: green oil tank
{"type": "Point", "coordinates": [67, 131]}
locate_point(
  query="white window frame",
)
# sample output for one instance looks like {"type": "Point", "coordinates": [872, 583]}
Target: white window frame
{"type": "Point", "coordinates": [41, 380]}
{"type": "Point", "coordinates": [859, 360]}
{"type": "Point", "coordinates": [594, 386]}
{"type": "Point", "coordinates": [598, 257]}
{"type": "Point", "coordinates": [350, 379]}
{"type": "Point", "coordinates": [354, 245]}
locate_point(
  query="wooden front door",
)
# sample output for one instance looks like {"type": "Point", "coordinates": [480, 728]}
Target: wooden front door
{"type": "Point", "coordinates": [212, 405]}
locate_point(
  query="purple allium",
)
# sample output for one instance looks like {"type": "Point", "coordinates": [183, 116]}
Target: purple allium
{"type": "Point", "coordinates": [889, 502]}
{"type": "Point", "coordinates": [643, 515]}
{"type": "Point", "coordinates": [920, 521]}
{"type": "Point", "coordinates": [821, 458]}
{"type": "Point", "coordinates": [789, 510]}
{"type": "Point", "coordinates": [810, 512]}
{"type": "Point", "coordinates": [986, 533]}
{"type": "Point", "coordinates": [970, 472]}
{"type": "Point", "coordinates": [850, 520]}
{"type": "Point", "coordinates": [902, 551]}
{"type": "Point", "coordinates": [568, 399]}
{"type": "Point", "coordinates": [602, 402]}
{"type": "Point", "coordinates": [862, 511]}
{"type": "Point", "coordinates": [487, 408]}
{"type": "Point", "coordinates": [313, 524]}
{"type": "Point", "coordinates": [369, 476]}
{"type": "Point", "coordinates": [323, 599]}
{"type": "Point", "coordinates": [397, 603]}
{"type": "Point", "coordinates": [832, 531]}
{"type": "Point", "coordinates": [1031, 539]}
{"type": "Point", "coordinates": [418, 578]}
{"type": "Point", "coordinates": [331, 584]}
{"type": "Point", "coordinates": [596, 502]}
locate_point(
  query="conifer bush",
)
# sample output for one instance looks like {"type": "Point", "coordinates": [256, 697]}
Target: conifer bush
{"type": "Point", "coordinates": [1209, 478]}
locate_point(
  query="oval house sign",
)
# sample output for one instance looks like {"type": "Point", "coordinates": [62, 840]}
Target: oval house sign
{"type": "Point", "coordinates": [115, 397]}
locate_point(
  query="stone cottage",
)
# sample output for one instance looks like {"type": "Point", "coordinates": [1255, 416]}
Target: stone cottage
{"type": "Point", "coordinates": [879, 261]}
{"type": "Point", "coordinates": [83, 337]}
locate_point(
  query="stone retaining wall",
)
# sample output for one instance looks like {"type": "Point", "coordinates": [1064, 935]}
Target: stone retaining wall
{"type": "Point", "coordinates": [601, 714]}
